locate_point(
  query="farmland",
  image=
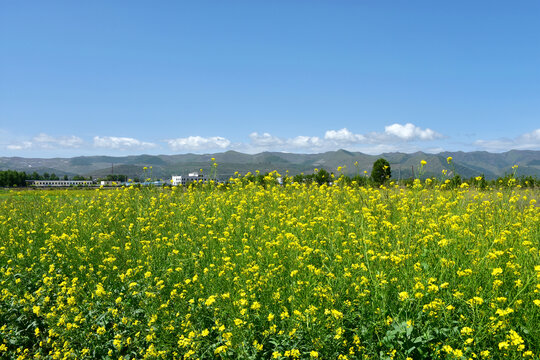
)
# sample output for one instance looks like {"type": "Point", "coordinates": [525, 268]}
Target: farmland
{"type": "Point", "coordinates": [244, 271]}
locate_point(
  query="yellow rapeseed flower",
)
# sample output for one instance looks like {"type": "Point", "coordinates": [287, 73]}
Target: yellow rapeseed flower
{"type": "Point", "coordinates": [403, 295]}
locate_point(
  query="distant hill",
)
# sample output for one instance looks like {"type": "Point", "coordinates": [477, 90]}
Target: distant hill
{"type": "Point", "coordinates": [467, 164]}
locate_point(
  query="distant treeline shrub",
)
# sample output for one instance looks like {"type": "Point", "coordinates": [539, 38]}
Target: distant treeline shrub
{"type": "Point", "coordinates": [10, 178]}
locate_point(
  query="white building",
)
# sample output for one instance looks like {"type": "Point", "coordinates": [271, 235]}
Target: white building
{"type": "Point", "coordinates": [110, 183]}
{"type": "Point", "coordinates": [183, 180]}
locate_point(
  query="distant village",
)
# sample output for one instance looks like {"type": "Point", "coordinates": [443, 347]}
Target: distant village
{"type": "Point", "coordinates": [380, 174]}
{"type": "Point", "coordinates": [119, 180]}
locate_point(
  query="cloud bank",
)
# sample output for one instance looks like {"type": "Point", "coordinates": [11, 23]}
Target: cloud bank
{"type": "Point", "coordinates": [395, 137]}
{"type": "Point", "coordinates": [196, 143]}
{"type": "Point", "coordinates": [530, 141]}
{"type": "Point", "coordinates": [409, 132]}
{"type": "Point", "coordinates": [47, 142]}
{"type": "Point", "coordinates": [121, 143]}
{"type": "Point", "coordinates": [269, 141]}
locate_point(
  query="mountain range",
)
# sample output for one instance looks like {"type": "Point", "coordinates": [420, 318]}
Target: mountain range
{"type": "Point", "coordinates": [467, 164]}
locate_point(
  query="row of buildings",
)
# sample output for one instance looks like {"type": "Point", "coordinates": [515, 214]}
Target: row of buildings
{"type": "Point", "coordinates": [59, 183]}
{"type": "Point", "coordinates": [176, 180]}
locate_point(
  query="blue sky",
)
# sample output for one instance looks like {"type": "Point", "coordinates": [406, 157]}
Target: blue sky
{"type": "Point", "coordinates": [166, 77]}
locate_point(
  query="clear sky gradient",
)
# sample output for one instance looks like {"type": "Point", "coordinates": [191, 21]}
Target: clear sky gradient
{"type": "Point", "coordinates": [165, 77]}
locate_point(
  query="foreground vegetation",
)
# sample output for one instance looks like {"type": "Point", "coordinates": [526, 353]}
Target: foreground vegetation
{"type": "Point", "coordinates": [255, 272]}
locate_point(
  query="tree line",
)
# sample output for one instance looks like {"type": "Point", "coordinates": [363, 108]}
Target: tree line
{"type": "Point", "coordinates": [380, 174]}
{"type": "Point", "coordinates": [12, 178]}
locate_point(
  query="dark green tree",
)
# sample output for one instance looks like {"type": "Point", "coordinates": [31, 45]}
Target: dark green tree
{"type": "Point", "coordinates": [322, 177]}
{"type": "Point", "coordinates": [35, 176]}
{"type": "Point", "coordinates": [381, 171]}
{"type": "Point", "coordinates": [298, 178]}
{"type": "Point", "coordinates": [11, 178]}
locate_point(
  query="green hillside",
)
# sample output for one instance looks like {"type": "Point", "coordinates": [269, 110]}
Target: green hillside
{"type": "Point", "coordinates": [403, 165]}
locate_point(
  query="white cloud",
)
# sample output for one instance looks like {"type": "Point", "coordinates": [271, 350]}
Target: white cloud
{"type": "Point", "coordinates": [308, 142]}
{"type": "Point", "coordinates": [121, 143]}
{"type": "Point", "coordinates": [196, 143]}
{"type": "Point", "coordinates": [49, 142]}
{"type": "Point", "coordinates": [269, 142]}
{"type": "Point", "coordinates": [44, 141]}
{"type": "Point", "coordinates": [530, 141]}
{"type": "Point", "coordinates": [343, 136]}
{"type": "Point", "coordinates": [20, 146]}
{"type": "Point", "coordinates": [264, 139]}
{"type": "Point", "coordinates": [392, 133]}
{"type": "Point", "coordinates": [410, 132]}
{"type": "Point", "coordinates": [532, 138]}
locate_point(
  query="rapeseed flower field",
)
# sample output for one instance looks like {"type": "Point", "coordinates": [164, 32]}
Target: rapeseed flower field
{"type": "Point", "coordinates": [244, 271]}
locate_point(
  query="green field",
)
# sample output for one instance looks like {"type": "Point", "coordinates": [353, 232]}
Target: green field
{"type": "Point", "coordinates": [242, 271]}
